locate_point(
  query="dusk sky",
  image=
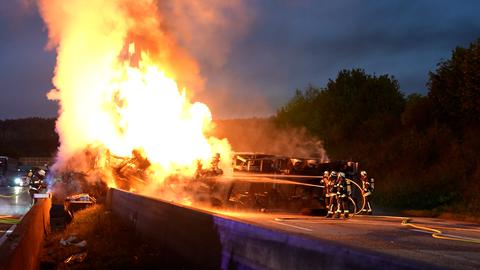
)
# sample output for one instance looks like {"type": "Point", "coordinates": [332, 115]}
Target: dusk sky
{"type": "Point", "coordinates": [288, 45]}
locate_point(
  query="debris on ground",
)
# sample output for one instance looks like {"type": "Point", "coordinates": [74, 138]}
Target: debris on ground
{"type": "Point", "coordinates": [79, 201]}
{"type": "Point", "coordinates": [70, 183]}
{"type": "Point", "coordinates": [76, 258]}
{"type": "Point", "coordinates": [111, 245]}
{"type": "Point", "coordinates": [82, 243]}
{"type": "Point", "coordinates": [68, 241]}
{"type": "Point", "coordinates": [73, 240]}
{"type": "Point", "coordinates": [83, 197]}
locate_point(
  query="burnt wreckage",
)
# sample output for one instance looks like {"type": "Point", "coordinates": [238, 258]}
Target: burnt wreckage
{"type": "Point", "coordinates": [281, 183]}
{"type": "Point", "coordinates": [260, 182]}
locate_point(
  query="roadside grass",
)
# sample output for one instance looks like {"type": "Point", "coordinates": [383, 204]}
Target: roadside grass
{"type": "Point", "coordinates": [110, 244]}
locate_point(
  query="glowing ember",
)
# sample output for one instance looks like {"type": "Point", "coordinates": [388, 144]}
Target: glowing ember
{"type": "Point", "coordinates": [116, 84]}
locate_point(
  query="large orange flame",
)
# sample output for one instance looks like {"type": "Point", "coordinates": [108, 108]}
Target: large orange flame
{"type": "Point", "coordinates": [116, 82]}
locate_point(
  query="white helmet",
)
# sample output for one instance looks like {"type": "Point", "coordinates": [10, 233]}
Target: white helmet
{"type": "Point", "coordinates": [41, 172]}
{"type": "Point", "coordinates": [363, 173]}
{"type": "Point", "coordinates": [325, 173]}
{"type": "Point", "coordinates": [341, 175]}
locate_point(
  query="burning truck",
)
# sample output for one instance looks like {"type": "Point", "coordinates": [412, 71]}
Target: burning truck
{"type": "Point", "coordinates": [256, 182]}
{"type": "Point", "coordinates": [289, 183]}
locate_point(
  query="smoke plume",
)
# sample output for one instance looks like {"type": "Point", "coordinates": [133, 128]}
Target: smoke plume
{"type": "Point", "coordinates": [99, 43]}
{"type": "Point", "coordinates": [262, 136]}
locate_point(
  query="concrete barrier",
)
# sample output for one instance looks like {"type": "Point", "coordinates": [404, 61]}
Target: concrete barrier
{"type": "Point", "coordinates": [21, 250]}
{"type": "Point", "coordinates": [203, 240]}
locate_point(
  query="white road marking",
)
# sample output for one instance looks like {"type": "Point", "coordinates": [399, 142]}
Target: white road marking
{"type": "Point", "coordinates": [293, 226]}
{"type": "Point", "coordinates": [335, 221]}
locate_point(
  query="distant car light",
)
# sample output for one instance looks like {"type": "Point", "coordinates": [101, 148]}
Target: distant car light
{"type": "Point", "coordinates": [17, 181]}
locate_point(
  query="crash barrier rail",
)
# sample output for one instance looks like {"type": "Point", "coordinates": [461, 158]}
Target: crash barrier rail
{"type": "Point", "coordinates": [9, 220]}
{"type": "Point", "coordinates": [206, 240]}
{"type": "Point", "coordinates": [21, 249]}
{"type": "Point", "coordinates": [9, 196]}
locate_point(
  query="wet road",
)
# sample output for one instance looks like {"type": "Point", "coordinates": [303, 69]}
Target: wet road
{"type": "Point", "coordinates": [456, 247]}
{"type": "Point", "coordinates": [14, 203]}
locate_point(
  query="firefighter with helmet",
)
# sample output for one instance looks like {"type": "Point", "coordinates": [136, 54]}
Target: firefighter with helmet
{"type": "Point", "coordinates": [331, 193]}
{"type": "Point", "coordinates": [344, 191]}
{"type": "Point", "coordinates": [368, 185]}
{"type": "Point", "coordinates": [324, 182]}
{"type": "Point", "coordinates": [29, 176]}
{"type": "Point", "coordinates": [215, 169]}
{"type": "Point", "coordinates": [36, 183]}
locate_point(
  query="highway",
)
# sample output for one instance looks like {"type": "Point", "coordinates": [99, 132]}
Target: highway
{"type": "Point", "coordinates": [456, 245]}
{"type": "Point", "coordinates": [385, 235]}
{"type": "Point", "coordinates": [14, 203]}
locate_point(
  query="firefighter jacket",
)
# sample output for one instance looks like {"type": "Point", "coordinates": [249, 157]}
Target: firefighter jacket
{"type": "Point", "coordinates": [331, 187]}
{"type": "Point", "coordinates": [36, 183]}
{"type": "Point", "coordinates": [344, 188]}
{"type": "Point", "coordinates": [324, 182]}
{"type": "Point", "coordinates": [368, 185]}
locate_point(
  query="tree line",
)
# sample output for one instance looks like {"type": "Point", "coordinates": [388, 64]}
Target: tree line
{"type": "Point", "coordinates": [29, 137]}
{"type": "Point", "coordinates": [423, 149]}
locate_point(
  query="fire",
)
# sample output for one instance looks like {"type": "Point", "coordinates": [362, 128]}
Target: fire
{"type": "Point", "coordinates": [150, 114]}
{"type": "Point", "coordinates": [117, 83]}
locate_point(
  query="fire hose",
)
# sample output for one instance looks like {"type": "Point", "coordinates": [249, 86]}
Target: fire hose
{"type": "Point", "coordinates": [405, 221]}
{"type": "Point", "coordinates": [275, 178]}
{"type": "Point", "coordinates": [357, 210]}
{"type": "Point", "coordinates": [439, 234]}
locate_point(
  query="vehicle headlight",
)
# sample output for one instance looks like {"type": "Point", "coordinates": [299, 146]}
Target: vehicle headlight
{"type": "Point", "coordinates": [17, 181]}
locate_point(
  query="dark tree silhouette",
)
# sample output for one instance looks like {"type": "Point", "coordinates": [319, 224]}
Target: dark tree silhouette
{"type": "Point", "coordinates": [354, 105]}
{"type": "Point", "coordinates": [455, 88]}
{"type": "Point", "coordinates": [28, 137]}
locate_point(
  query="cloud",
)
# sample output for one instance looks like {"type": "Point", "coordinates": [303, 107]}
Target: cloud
{"type": "Point", "coordinates": [284, 45]}
{"type": "Point", "coordinates": [291, 46]}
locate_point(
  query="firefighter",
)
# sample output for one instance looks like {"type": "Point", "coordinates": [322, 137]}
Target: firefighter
{"type": "Point", "coordinates": [199, 171]}
{"type": "Point", "coordinates": [344, 191]}
{"type": "Point", "coordinates": [215, 169]}
{"type": "Point", "coordinates": [368, 187]}
{"type": "Point", "coordinates": [331, 193]}
{"type": "Point", "coordinates": [29, 176]}
{"type": "Point", "coordinates": [36, 183]}
{"type": "Point", "coordinates": [324, 182]}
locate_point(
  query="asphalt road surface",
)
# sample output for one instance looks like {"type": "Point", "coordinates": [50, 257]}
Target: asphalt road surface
{"type": "Point", "coordinates": [456, 245]}
{"type": "Point", "coordinates": [14, 203]}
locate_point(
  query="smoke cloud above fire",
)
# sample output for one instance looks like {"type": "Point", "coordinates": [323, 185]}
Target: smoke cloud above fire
{"type": "Point", "coordinates": [125, 75]}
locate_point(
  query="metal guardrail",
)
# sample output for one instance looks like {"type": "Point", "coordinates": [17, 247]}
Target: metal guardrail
{"type": "Point", "coordinates": [21, 249]}
{"type": "Point", "coordinates": [205, 240]}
